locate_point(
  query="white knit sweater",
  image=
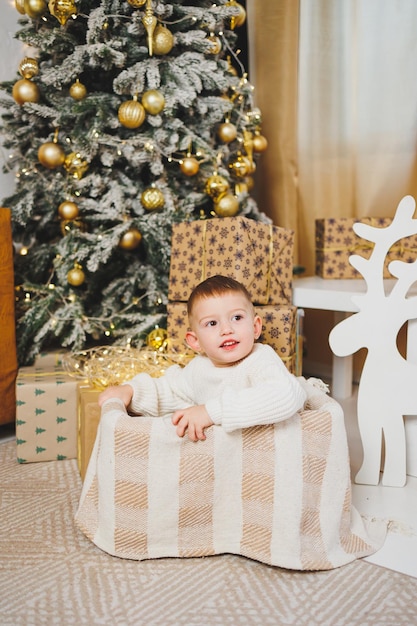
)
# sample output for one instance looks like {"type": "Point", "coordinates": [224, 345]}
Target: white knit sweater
{"type": "Point", "coordinates": [258, 390]}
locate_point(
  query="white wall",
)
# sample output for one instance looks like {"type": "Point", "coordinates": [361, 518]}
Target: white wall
{"type": "Point", "coordinates": [11, 53]}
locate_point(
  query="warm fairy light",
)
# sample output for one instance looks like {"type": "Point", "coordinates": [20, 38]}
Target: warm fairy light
{"type": "Point", "coordinates": [23, 251]}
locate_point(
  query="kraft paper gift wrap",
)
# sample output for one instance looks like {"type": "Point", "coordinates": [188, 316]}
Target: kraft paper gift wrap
{"type": "Point", "coordinates": [279, 330]}
{"type": "Point", "coordinates": [336, 242]}
{"type": "Point", "coordinates": [88, 419]}
{"type": "Point", "coordinates": [46, 414]}
{"type": "Point", "coordinates": [257, 254]}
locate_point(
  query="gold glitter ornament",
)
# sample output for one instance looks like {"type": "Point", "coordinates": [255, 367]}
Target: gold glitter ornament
{"type": "Point", "coordinates": [136, 3]}
{"type": "Point", "coordinates": [227, 205]}
{"type": "Point", "coordinates": [216, 185]}
{"type": "Point", "coordinates": [131, 113]}
{"type": "Point", "coordinates": [68, 210]}
{"type": "Point", "coordinates": [149, 21]}
{"type": "Point", "coordinates": [62, 10]}
{"type": "Point", "coordinates": [215, 44]}
{"type": "Point", "coordinates": [75, 165]}
{"type": "Point", "coordinates": [76, 276]}
{"type": "Point", "coordinates": [28, 67]}
{"type": "Point", "coordinates": [51, 155]}
{"type": "Point", "coordinates": [152, 199]}
{"type": "Point", "coordinates": [240, 18]}
{"type": "Point", "coordinates": [153, 101]}
{"type": "Point", "coordinates": [241, 166]}
{"type": "Point", "coordinates": [25, 91]}
{"type": "Point", "coordinates": [163, 40]}
{"type": "Point", "coordinates": [78, 91]}
{"type": "Point", "coordinates": [227, 132]}
{"type": "Point", "coordinates": [131, 239]}
{"type": "Point", "coordinates": [260, 143]}
{"type": "Point", "coordinates": [157, 339]}
{"type": "Point", "coordinates": [35, 8]}
{"type": "Point", "coordinates": [189, 166]}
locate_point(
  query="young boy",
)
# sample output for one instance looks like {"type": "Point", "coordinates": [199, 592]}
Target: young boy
{"type": "Point", "coordinates": [232, 381]}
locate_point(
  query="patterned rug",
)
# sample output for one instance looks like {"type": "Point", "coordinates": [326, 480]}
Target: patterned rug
{"type": "Point", "coordinates": [51, 574]}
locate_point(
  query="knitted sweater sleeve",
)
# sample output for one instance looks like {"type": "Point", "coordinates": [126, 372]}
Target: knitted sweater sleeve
{"type": "Point", "coordinates": [270, 394]}
{"type": "Point", "coordinates": [159, 396]}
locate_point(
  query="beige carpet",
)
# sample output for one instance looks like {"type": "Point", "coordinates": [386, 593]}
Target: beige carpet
{"type": "Point", "coordinates": [51, 574]}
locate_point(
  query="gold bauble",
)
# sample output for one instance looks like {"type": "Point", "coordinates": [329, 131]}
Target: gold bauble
{"type": "Point", "coordinates": [136, 3]}
{"type": "Point", "coordinates": [157, 338]}
{"type": "Point", "coordinates": [28, 67]}
{"type": "Point", "coordinates": [226, 206]}
{"type": "Point", "coordinates": [260, 143]}
{"type": "Point", "coordinates": [68, 226]}
{"type": "Point", "coordinates": [35, 8]}
{"type": "Point", "coordinates": [153, 101]}
{"type": "Point", "coordinates": [152, 199]}
{"type": "Point", "coordinates": [75, 165]}
{"type": "Point", "coordinates": [78, 91]}
{"type": "Point", "coordinates": [76, 276]}
{"type": "Point", "coordinates": [131, 113]}
{"type": "Point", "coordinates": [25, 91]}
{"type": "Point", "coordinates": [240, 18]}
{"type": "Point", "coordinates": [51, 155]}
{"type": "Point", "coordinates": [216, 185]}
{"type": "Point", "coordinates": [130, 239]}
{"type": "Point", "coordinates": [62, 10]}
{"type": "Point", "coordinates": [227, 132]}
{"type": "Point", "coordinates": [20, 6]}
{"type": "Point", "coordinates": [163, 40]}
{"type": "Point", "coordinates": [215, 44]}
{"type": "Point", "coordinates": [189, 166]}
{"type": "Point", "coordinates": [241, 166]}
{"type": "Point", "coordinates": [68, 210]}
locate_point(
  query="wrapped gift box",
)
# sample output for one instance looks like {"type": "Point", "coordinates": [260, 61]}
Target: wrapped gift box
{"type": "Point", "coordinates": [46, 414]}
{"type": "Point", "coordinates": [280, 329]}
{"type": "Point", "coordinates": [258, 255]}
{"type": "Point", "coordinates": [88, 419]}
{"type": "Point", "coordinates": [336, 242]}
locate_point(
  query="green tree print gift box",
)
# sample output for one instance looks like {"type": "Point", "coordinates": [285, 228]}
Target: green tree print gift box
{"type": "Point", "coordinates": [46, 414]}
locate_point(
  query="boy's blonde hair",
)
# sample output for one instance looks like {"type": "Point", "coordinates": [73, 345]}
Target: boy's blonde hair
{"type": "Point", "coordinates": [215, 286]}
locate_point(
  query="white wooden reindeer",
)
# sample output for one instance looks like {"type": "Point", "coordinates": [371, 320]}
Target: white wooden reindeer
{"type": "Point", "coordinates": [388, 384]}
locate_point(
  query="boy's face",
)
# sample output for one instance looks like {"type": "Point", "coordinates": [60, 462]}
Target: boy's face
{"type": "Point", "coordinates": [224, 328]}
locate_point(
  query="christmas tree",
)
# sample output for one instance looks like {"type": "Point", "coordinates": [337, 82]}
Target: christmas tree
{"type": "Point", "coordinates": [127, 116]}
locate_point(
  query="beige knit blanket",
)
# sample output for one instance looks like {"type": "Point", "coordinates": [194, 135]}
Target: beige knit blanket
{"type": "Point", "coordinates": [279, 494]}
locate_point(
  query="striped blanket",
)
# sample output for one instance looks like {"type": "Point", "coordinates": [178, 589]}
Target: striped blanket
{"type": "Point", "coordinates": [279, 494]}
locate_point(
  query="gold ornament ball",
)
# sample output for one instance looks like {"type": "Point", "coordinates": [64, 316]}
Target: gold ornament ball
{"type": "Point", "coordinates": [131, 239]}
{"type": "Point", "coordinates": [215, 44]}
{"type": "Point", "coordinates": [189, 166]}
{"type": "Point", "coordinates": [227, 132]}
{"type": "Point", "coordinates": [75, 165]}
{"type": "Point", "coordinates": [260, 143]}
{"type": "Point", "coordinates": [68, 226]}
{"type": "Point", "coordinates": [51, 155]}
{"type": "Point", "coordinates": [28, 67]}
{"type": "Point", "coordinates": [240, 18]}
{"type": "Point", "coordinates": [152, 199]}
{"type": "Point", "coordinates": [153, 101]}
{"type": "Point", "coordinates": [20, 6]}
{"type": "Point", "coordinates": [136, 3]}
{"type": "Point", "coordinates": [35, 8]}
{"type": "Point", "coordinates": [157, 338]}
{"type": "Point", "coordinates": [68, 210]}
{"type": "Point", "coordinates": [131, 114]}
{"type": "Point", "coordinates": [78, 91]}
{"type": "Point", "coordinates": [76, 276]}
{"type": "Point", "coordinates": [226, 206]}
{"type": "Point", "coordinates": [163, 40]}
{"type": "Point", "coordinates": [241, 166]}
{"type": "Point", "coordinates": [25, 91]}
{"type": "Point", "coordinates": [216, 185]}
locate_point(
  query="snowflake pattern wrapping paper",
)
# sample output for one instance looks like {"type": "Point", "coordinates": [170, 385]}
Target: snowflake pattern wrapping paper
{"type": "Point", "coordinates": [336, 242]}
{"type": "Point", "coordinates": [257, 254]}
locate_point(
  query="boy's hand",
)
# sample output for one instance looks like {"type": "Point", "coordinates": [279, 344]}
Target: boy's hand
{"type": "Point", "coordinates": [194, 420]}
{"type": "Point", "coordinates": [123, 392]}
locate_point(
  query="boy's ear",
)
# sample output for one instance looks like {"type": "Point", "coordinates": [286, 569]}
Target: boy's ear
{"type": "Point", "coordinates": [192, 341]}
{"type": "Point", "coordinates": [257, 326]}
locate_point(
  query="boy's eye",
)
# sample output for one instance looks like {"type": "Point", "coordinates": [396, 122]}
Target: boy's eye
{"type": "Point", "coordinates": [238, 317]}
{"type": "Point", "coordinates": [211, 323]}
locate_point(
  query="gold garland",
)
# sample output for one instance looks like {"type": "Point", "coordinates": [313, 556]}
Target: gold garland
{"type": "Point", "coordinates": [113, 365]}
